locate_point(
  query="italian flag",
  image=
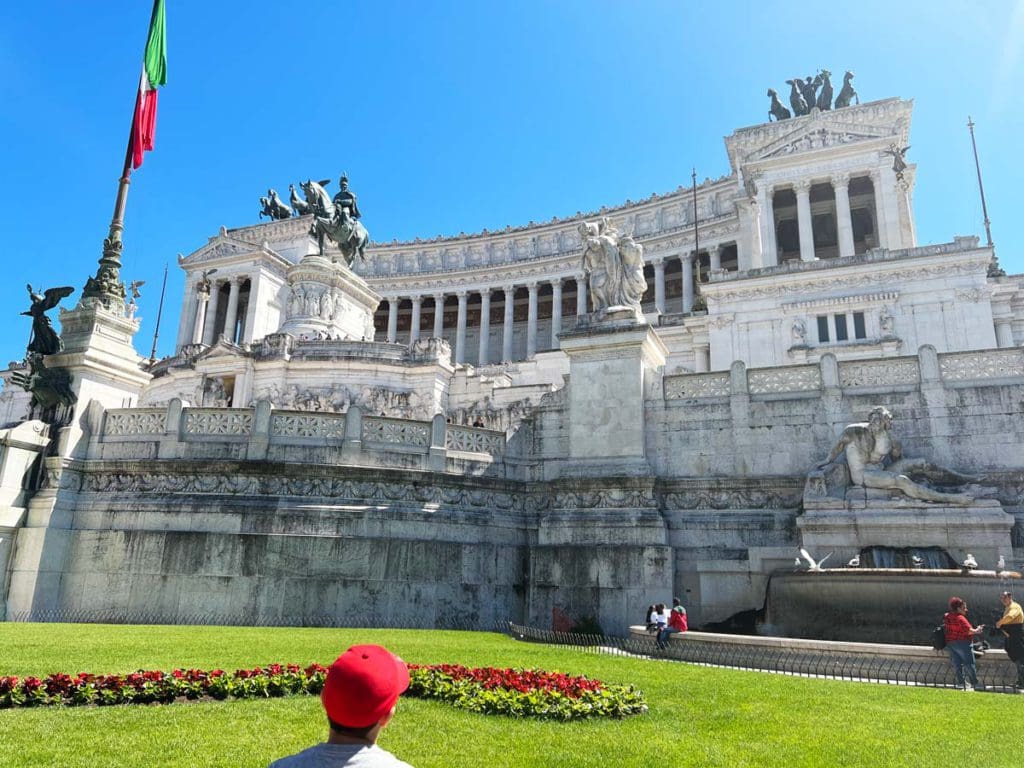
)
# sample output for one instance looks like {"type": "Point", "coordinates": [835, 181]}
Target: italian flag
{"type": "Point", "coordinates": [154, 74]}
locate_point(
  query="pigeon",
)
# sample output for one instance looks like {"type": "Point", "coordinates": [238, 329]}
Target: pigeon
{"type": "Point", "coordinates": [1001, 564]}
{"type": "Point", "coordinates": [811, 564]}
{"type": "Point", "coordinates": [854, 562]}
{"type": "Point", "coordinates": [797, 563]}
{"type": "Point", "coordinates": [969, 562]}
{"type": "Point", "coordinates": [917, 561]}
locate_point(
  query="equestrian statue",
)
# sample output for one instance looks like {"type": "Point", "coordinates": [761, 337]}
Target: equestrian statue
{"type": "Point", "coordinates": [337, 219]}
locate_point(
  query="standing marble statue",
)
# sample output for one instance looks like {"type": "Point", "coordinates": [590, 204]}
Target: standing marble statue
{"type": "Point", "coordinates": [874, 458]}
{"type": "Point", "coordinates": [614, 266]}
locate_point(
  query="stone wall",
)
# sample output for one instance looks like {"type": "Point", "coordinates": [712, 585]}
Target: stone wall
{"type": "Point", "coordinates": [287, 516]}
{"type": "Point", "coordinates": [960, 409]}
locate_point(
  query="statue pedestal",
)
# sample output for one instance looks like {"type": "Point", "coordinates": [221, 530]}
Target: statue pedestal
{"type": "Point", "coordinates": [846, 526]}
{"type": "Point", "coordinates": [327, 299]}
{"type": "Point", "coordinates": [612, 365]}
{"type": "Point", "coordinates": [103, 364]}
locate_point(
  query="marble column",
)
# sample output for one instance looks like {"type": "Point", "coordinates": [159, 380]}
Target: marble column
{"type": "Point", "coordinates": [393, 303]}
{"type": "Point", "coordinates": [438, 316]}
{"type": "Point", "coordinates": [556, 311]}
{"type": "Point", "coordinates": [485, 326]}
{"type": "Point", "coordinates": [687, 262]}
{"type": "Point", "coordinates": [250, 312]}
{"type": "Point", "coordinates": [769, 240]}
{"type": "Point", "coordinates": [198, 328]}
{"type": "Point", "coordinates": [460, 330]}
{"type": "Point", "coordinates": [414, 326]}
{"type": "Point", "coordinates": [531, 322]}
{"type": "Point", "coordinates": [231, 317]}
{"type": "Point", "coordinates": [881, 241]}
{"type": "Point", "coordinates": [803, 217]}
{"type": "Point", "coordinates": [715, 256]}
{"type": "Point", "coordinates": [844, 222]}
{"type": "Point", "coordinates": [211, 315]}
{"type": "Point", "coordinates": [1004, 332]}
{"type": "Point", "coordinates": [581, 295]}
{"type": "Point", "coordinates": [701, 358]}
{"type": "Point", "coordinates": [506, 336]}
{"type": "Point", "coordinates": [659, 285]}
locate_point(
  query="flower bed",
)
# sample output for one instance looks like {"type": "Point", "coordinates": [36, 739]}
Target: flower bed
{"type": "Point", "coordinates": [520, 693]}
{"type": "Point", "coordinates": [524, 693]}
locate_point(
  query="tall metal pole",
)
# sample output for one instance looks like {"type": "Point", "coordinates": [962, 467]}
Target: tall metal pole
{"type": "Point", "coordinates": [696, 241]}
{"type": "Point", "coordinates": [159, 314]}
{"type": "Point", "coordinates": [106, 287]}
{"type": "Point", "coordinates": [981, 187]}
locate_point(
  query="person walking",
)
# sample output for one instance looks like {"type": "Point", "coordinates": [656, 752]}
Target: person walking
{"type": "Point", "coordinates": [1012, 625]}
{"type": "Point", "coordinates": [959, 634]}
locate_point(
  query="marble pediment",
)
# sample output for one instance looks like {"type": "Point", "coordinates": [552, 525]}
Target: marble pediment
{"type": "Point", "coordinates": [223, 246]}
{"type": "Point", "coordinates": [220, 350]}
{"type": "Point", "coordinates": [816, 137]}
{"type": "Point", "coordinates": [881, 122]}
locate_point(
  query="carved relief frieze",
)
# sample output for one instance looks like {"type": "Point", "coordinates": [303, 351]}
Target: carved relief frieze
{"type": "Point", "coordinates": [995, 364]}
{"type": "Point", "coordinates": [396, 432]}
{"type": "Point", "coordinates": [697, 385]}
{"type": "Point", "coordinates": [135, 421]}
{"type": "Point", "coordinates": [800, 378]}
{"type": "Point", "coordinates": [878, 373]}
{"type": "Point", "coordinates": [307, 425]}
{"type": "Point", "coordinates": [470, 440]}
{"type": "Point", "coordinates": [218, 421]}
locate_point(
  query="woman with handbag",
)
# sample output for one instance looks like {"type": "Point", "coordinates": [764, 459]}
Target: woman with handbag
{"type": "Point", "coordinates": [959, 634]}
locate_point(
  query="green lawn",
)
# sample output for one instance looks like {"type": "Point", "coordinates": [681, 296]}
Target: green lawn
{"type": "Point", "coordinates": [698, 716]}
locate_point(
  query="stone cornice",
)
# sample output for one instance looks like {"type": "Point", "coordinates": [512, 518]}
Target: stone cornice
{"type": "Point", "coordinates": [876, 119]}
{"type": "Point", "coordinates": [873, 270]}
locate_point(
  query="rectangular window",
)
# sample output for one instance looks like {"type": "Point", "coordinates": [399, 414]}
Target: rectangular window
{"type": "Point", "coordinates": [858, 326]}
{"type": "Point", "coordinates": [841, 334]}
{"type": "Point", "coordinates": [822, 328]}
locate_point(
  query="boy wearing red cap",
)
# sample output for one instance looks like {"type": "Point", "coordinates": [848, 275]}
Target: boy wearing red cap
{"type": "Point", "coordinates": [359, 697]}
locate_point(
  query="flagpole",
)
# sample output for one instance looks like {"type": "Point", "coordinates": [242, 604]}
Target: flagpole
{"type": "Point", "coordinates": [106, 287]}
{"type": "Point", "coordinates": [981, 187]}
{"type": "Point", "coordinates": [159, 314]}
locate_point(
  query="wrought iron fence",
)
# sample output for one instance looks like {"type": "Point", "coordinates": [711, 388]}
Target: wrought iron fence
{"type": "Point", "coordinates": [861, 667]}
{"type": "Point", "coordinates": [934, 672]}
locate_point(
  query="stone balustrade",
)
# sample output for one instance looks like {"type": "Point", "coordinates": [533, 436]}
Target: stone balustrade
{"type": "Point", "coordinates": [300, 436]}
{"type": "Point", "coordinates": [953, 369]}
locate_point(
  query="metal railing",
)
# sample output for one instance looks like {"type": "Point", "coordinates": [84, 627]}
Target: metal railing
{"type": "Point", "coordinates": [934, 672]}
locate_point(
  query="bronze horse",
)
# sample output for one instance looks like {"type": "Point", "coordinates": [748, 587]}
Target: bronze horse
{"type": "Point", "coordinates": [336, 223]}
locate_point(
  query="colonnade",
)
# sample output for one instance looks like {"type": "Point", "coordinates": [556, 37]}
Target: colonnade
{"type": "Point", "coordinates": [507, 295]}
{"type": "Point", "coordinates": [840, 183]}
{"type": "Point", "coordinates": [205, 329]}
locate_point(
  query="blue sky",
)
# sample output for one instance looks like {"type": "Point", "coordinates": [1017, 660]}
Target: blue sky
{"type": "Point", "coordinates": [454, 117]}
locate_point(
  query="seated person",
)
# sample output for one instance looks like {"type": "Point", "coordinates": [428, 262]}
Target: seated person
{"type": "Point", "coordinates": [652, 626]}
{"type": "Point", "coordinates": [676, 623]}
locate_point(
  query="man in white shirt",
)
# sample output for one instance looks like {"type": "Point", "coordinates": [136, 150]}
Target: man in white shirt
{"type": "Point", "coordinates": [359, 697]}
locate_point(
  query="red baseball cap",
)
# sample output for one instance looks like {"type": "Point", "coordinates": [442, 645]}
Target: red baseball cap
{"type": "Point", "coordinates": [363, 685]}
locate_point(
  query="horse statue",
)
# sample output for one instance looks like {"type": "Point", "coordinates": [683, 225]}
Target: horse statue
{"type": "Point", "coordinates": [808, 90]}
{"type": "Point", "coordinates": [336, 223]}
{"type": "Point", "coordinates": [825, 96]}
{"type": "Point", "coordinates": [796, 97]}
{"type": "Point", "coordinates": [777, 110]}
{"type": "Point", "coordinates": [272, 206]}
{"type": "Point", "coordinates": [301, 206]}
{"type": "Point", "coordinates": [847, 94]}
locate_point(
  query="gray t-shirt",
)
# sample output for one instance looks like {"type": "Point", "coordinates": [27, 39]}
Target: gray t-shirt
{"type": "Point", "coordinates": [341, 756]}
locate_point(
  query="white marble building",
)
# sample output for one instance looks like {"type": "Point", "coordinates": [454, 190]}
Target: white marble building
{"type": "Point", "coordinates": [807, 246]}
{"type": "Point", "coordinates": [500, 450]}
